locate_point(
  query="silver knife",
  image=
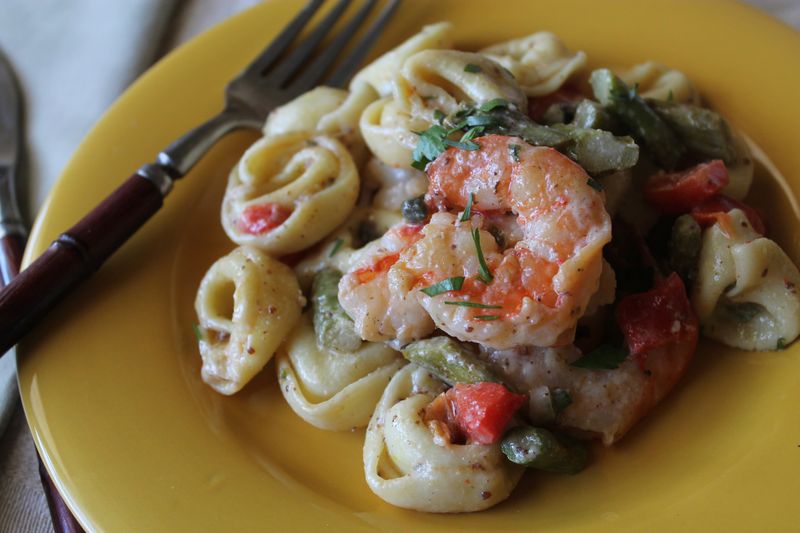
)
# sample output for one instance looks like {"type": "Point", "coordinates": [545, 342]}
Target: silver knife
{"type": "Point", "coordinates": [12, 227]}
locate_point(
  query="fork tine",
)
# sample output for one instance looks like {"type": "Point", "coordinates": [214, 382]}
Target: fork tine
{"type": "Point", "coordinates": [314, 72]}
{"type": "Point", "coordinates": [360, 50]}
{"type": "Point", "coordinates": [295, 60]}
{"type": "Point", "coordinates": [283, 40]}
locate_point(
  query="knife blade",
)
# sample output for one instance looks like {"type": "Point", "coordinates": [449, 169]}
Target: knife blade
{"type": "Point", "coordinates": [12, 226]}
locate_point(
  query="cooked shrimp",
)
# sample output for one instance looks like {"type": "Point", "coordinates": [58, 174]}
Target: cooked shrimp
{"type": "Point", "coordinates": [541, 285]}
{"type": "Point", "coordinates": [378, 298]}
{"type": "Point", "coordinates": [605, 403]}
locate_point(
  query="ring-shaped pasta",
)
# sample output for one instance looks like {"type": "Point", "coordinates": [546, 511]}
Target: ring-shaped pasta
{"type": "Point", "coordinates": [658, 82]}
{"type": "Point", "coordinates": [288, 191]}
{"type": "Point", "coordinates": [389, 130]}
{"type": "Point", "coordinates": [326, 111]}
{"type": "Point", "coordinates": [247, 303]}
{"type": "Point", "coordinates": [380, 73]}
{"type": "Point", "coordinates": [540, 62]}
{"type": "Point", "coordinates": [332, 390]}
{"type": "Point", "coordinates": [442, 80]}
{"type": "Point", "coordinates": [407, 466]}
{"type": "Point", "coordinates": [746, 290]}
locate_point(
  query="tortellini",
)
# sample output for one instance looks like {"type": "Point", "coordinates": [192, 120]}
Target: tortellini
{"type": "Point", "coordinates": [288, 191]}
{"type": "Point", "coordinates": [332, 390]}
{"type": "Point", "coordinates": [380, 73]}
{"type": "Point", "coordinates": [393, 185]}
{"type": "Point", "coordinates": [746, 290]}
{"type": "Point", "coordinates": [540, 62]}
{"type": "Point", "coordinates": [432, 81]}
{"type": "Point", "coordinates": [660, 83]}
{"type": "Point", "coordinates": [388, 130]}
{"type": "Point", "coordinates": [441, 80]}
{"type": "Point", "coordinates": [246, 305]}
{"type": "Point", "coordinates": [407, 465]}
{"type": "Point", "coordinates": [327, 111]}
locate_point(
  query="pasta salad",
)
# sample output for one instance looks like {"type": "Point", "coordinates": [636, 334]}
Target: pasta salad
{"type": "Point", "coordinates": [488, 259]}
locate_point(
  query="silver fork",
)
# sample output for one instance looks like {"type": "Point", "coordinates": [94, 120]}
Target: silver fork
{"type": "Point", "coordinates": [266, 83]}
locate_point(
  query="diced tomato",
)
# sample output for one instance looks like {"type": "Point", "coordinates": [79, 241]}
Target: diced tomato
{"type": "Point", "coordinates": [538, 106]}
{"type": "Point", "coordinates": [261, 218]}
{"type": "Point", "coordinates": [409, 230]}
{"type": "Point", "coordinates": [483, 410]}
{"type": "Point", "coordinates": [367, 274]}
{"type": "Point", "coordinates": [712, 209]}
{"type": "Point", "coordinates": [658, 317]}
{"type": "Point", "coordinates": [675, 193]}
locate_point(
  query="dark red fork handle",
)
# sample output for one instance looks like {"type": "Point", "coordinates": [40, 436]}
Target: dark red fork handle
{"type": "Point", "coordinates": [11, 247]}
{"type": "Point", "coordinates": [73, 256]}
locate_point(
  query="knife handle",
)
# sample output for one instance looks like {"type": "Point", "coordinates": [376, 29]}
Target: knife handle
{"type": "Point", "coordinates": [78, 252]}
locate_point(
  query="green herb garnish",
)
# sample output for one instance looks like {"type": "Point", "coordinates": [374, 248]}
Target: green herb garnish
{"type": "Point", "coordinates": [514, 148]}
{"type": "Point", "coordinates": [430, 145]}
{"type": "Point", "coordinates": [594, 184]}
{"type": "Point", "coordinates": [483, 271]}
{"type": "Point", "coordinates": [474, 304]}
{"type": "Point", "coordinates": [492, 104]}
{"type": "Point", "coordinates": [449, 284]}
{"type": "Point", "coordinates": [198, 333]}
{"type": "Point", "coordinates": [467, 210]}
{"type": "Point", "coordinates": [336, 245]}
{"type": "Point", "coordinates": [604, 357]}
{"type": "Point", "coordinates": [438, 116]}
{"type": "Point", "coordinates": [468, 145]}
{"type": "Point", "coordinates": [283, 375]}
{"type": "Point", "coordinates": [781, 344]}
{"type": "Point", "coordinates": [472, 68]}
{"type": "Point", "coordinates": [487, 317]}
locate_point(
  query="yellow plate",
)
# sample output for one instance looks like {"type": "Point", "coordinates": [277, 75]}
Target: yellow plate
{"type": "Point", "coordinates": [136, 442]}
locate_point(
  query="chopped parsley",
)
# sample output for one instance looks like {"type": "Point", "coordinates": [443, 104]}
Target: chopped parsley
{"type": "Point", "coordinates": [283, 375]}
{"type": "Point", "coordinates": [467, 210]}
{"type": "Point", "coordinates": [438, 116]}
{"type": "Point", "coordinates": [474, 304]}
{"type": "Point", "coordinates": [781, 344]}
{"type": "Point", "coordinates": [492, 104]}
{"type": "Point", "coordinates": [472, 68]}
{"type": "Point", "coordinates": [605, 357]}
{"type": "Point", "coordinates": [514, 149]}
{"type": "Point", "coordinates": [450, 284]}
{"type": "Point", "coordinates": [487, 317]}
{"type": "Point", "coordinates": [336, 245]}
{"type": "Point", "coordinates": [594, 184]}
{"type": "Point", "coordinates": [198, 333]}
{"type": "Point", "coordinates": [434, 141]}
{"type": "Point", "coordinates": [483, 271]}
{"type": "Point", "coordinates": [461, 145]}
{"type": "Point", "coordinates": [430, 145]}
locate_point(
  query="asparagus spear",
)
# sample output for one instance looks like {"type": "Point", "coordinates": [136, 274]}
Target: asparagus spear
{"type": "Point", "coordinates": [590, 114]}
{"type": "Point", "coordinates": [595, 150]}
{"type": "Point", "coordinates": [703, 131]}
{"type": "Point", "coordinates": [644, 123]}
{"type": "Point", "coordinates": [541, 449]}
{"type": "Point", "coordinates": [449, 360]}
{"type": "Point", "coordinates": [334, 329]}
